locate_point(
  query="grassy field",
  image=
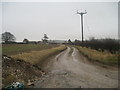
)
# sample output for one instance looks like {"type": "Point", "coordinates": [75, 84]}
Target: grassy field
{"type": "Point", "coordinates": [35, 57]}
{"type": "Point", "coordinates": [102, 57]}
{"type": "Point", "coordinates": [11, 49]}
{"type": "Point", "coordinates": [33, 53]}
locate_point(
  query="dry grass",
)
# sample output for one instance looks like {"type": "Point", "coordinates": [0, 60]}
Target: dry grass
{"type": "Point", "coordinates": [35, 57]}
{"type": "Point", "coordinates": [102, 57]}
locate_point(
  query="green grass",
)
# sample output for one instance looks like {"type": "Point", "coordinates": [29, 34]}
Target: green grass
{"type": "Point", "coordinates": [35, 57]}
{"type": "Point", "coordinates": [32, 53]}
{"type": "Point", "coordinates": [102, 57]}
{"type": "Point", "coordinates": [11, 49]}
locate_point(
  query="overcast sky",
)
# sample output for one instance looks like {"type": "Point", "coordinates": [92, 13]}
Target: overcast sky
{"type": "Point", "coordinates": [59, 20]}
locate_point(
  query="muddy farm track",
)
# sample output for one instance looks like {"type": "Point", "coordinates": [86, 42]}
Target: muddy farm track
{"type": "Point", "coordinates": [70, 69]}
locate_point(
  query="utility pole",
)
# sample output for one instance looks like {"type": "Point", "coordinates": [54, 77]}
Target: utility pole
{"type": "Point", "coordinates": [82, 13]}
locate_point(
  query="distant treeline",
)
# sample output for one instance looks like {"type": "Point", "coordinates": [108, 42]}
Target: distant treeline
{"type": "Point", "coordinates": [111, 45]}
{"type": "Point", "coordinates": [9, 42]}
{"type": "Point", "coordinates": [30, 42]}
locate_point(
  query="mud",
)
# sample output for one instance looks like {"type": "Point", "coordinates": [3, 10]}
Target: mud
{"type": "Point", "coordinates": [72, 70]}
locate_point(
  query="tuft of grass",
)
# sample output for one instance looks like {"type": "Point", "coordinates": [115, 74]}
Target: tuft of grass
{"type": "Point", "coordinates": [102, 57]}
{"type": "Point", "coordinates": [35, 57]}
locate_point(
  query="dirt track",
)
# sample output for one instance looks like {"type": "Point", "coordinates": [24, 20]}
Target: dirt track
{"type": "Point", "coordinates": [70, 69]}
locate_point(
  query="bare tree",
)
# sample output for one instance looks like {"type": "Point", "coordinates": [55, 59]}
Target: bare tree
{"type": "Point", "coordinates": [7, 37]}
{"type": "Point", "coordinates": [26, 41]}
{"type": "Point", "coordinates": [69, 41]}
{"type": "Point", "coordinates": [45, 38]}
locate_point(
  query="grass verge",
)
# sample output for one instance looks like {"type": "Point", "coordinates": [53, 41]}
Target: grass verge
{"type": "Point", "coordinates": [102, 57]}
{"type": "Point", "coordinates": [35, 57]}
